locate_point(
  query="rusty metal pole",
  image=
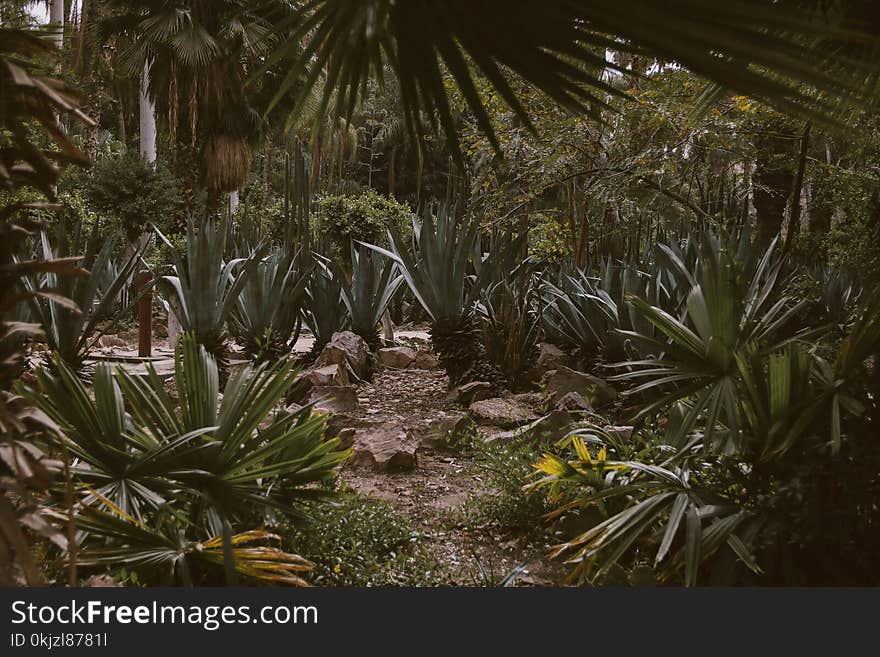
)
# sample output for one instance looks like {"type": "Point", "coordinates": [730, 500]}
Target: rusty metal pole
{"type": "Point", "coordinates": [145, 314]}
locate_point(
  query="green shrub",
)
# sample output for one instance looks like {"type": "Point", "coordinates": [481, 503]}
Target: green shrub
{"type": "Point", "coordinates": [262, 211]}
{"type": "Point", "coordinates": [364, 542]}
{"type": "Point", "coordinates": [504, 504]}
{"type": "Point", "coordinates": [132, 192]}
{"type": "Point", "coordinates": [339, 219]}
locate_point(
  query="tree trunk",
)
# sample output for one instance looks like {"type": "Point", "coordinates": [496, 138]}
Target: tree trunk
{"type": "Point", "coordinates": [56, 22]}
{"type": "Point", "coordinates": [392, 165]}
{"type": "Point", "coordinates": [147, 114]}
{"type": "Point", "coordinates": [420, 170]}
{"type": "Point", "coordinates": [123, 133]}
{"type": "Point", "coordinates": [317, 151]}
{"type": "Point", "coordinates": [580, 254]}
{"type": "Point", "coordinates": [794, 220]}
{"type": "Point", "coordinates": [773, 179]}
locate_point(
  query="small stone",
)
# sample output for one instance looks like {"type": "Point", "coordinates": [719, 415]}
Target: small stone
{"type": "Point", "coordinates": [300, 390]}
{"type": "Point", "coordinates": [624, 432]}
{"type": "Point", "coordinates": [504, 413]}
{"type": "Point", "coordinates": [102, 581]}
{"type": "Point", "coordinates": [551, 357]}
{"type": "Point", "coordinates": [563, 380]}
{"type": "Point", "coordinates": [426, 360]}
{"type": "Point", "coordinates": [533, 399]}
{"type": "Point", "coordinates": [329, 375]}
{"type": "Point", "coordinates": [346, 437]}
{"type": "Point", "coordinates": [111, 341]}
{"type": "Point", "coordinates": [335, 399]}
{"type": "Point", "coordinates": [397, 357]}
{"type": "Point", "coordinates": [447, 431]}
{"type": "Point", "coordinates": [550, 428]}
{"type": "Point", "coordinates": [470, 392]}
{"type": "Point", "coordinates": [346, 349]}
{"type": "Point", "coordinates": [573, 401]}
{"type": "Point", "coordinates": [385, 448]}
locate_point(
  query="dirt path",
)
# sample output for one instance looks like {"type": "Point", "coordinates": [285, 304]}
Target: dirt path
{"type": "Point", "coordinates": [440, 484]}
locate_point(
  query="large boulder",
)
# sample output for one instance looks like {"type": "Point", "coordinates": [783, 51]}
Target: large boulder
{"type": "Point", "coordinates": [564, 380]}
{"type": "Point", "coordinates": [385, 448]}
{"type": "Point", "coordinates": [335, 399]}
{"type": "Point", "coordinates": [397, 357]}
{"type": "Point", "coordinates": [346, 349]}
{"type": "Point", "coordinates": [499, 412]}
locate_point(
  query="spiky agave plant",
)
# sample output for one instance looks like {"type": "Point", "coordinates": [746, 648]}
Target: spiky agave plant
{"type": "Point", "coordinates": [80, 309]}
{"type": "Point", "coordinates": [443, 279]}
{"type": "Point", "coordinates": [268, 314]}
{"type": "Point", "coordinates": [511, 327]}
{"type": "Point", "coordinates": [204, 289]}
{"type": "Point", "coordinates": [579, 312]}
{"type": "Point", "coordinates": [373, 284]}
{"type": "Point", "coordinates": [326, 312]}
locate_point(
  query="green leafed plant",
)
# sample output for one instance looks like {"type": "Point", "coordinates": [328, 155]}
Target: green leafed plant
{"type": "Point", "coordinates": [444, 279]}
{"type": "Point", "coordinates": [581, 312]}
{"type": "Point", "coordinates": [764, 441]}
{"type": "Point", "coordinates": [768, 51]}
{"type": "Point", "coordinates": [75, 311]}
{"type": "Point", "coordinates": [326, 311]}
{"type": "Point", "coordinates": [201, 464]}
{"type": "Point", "coordinates": [734, 305]}
{"type": "Point", "coordinates": [268, 313]}
{"type": "Point", "coordinates": [204, 290]}
{"type": "Point", "coordinates": [374, 282]}
{"type": "Point", "coordinates": [511, 328]}
{"type": "Point", "coordinates": [29, 109]}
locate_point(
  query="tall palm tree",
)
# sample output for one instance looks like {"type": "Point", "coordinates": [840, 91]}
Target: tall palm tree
{"type": "Point", "coordinates": [197, 52]}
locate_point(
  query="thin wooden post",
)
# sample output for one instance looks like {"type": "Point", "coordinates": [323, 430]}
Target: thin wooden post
{"type": "Point", "coordinates": [145, 314]}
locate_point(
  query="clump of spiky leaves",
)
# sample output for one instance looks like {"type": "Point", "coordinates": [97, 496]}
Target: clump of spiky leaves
{"type": "Point", "coordinates": [26, 469]}
{"type": "Point", "coordinates": [373, 284]}
{"type": "Point", "coordinates": [759, 427]}
{"type": "Point", "coordinates": [204, 290]}
{"type": "Point", "coordinates": [511, 328]}
{"type": "Point", "coordinates": [326, 311]}
{"type": "Point", "coordinates": [155, 476]}
{"type": "Point", "coordinates": [735, 304]}
{"type": "Point", "coordinates": [579, 312]}
{"type": "Point", "coordinates": [29, 108]}
{"type": "Point", "coordinates": [268, 314]}
{"type": "Point", "coordinates": [446, 281]}
{"type": "Point", "coordinates": [80, 309]}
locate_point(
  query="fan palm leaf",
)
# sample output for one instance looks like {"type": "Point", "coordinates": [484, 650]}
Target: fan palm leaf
{"type": "Point", "coordinates": [770, 51]}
